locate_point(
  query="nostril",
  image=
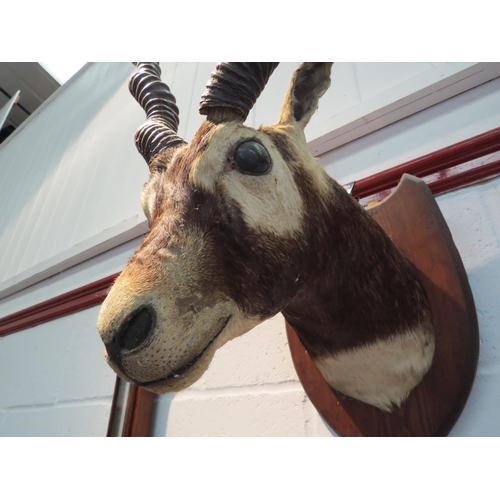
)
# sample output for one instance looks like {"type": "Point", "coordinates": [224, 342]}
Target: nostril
{"type": "Point", "coordinates": [135, 329]}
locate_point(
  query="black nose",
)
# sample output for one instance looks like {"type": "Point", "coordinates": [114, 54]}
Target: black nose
{"type": "Point", "coordinates": [135, 329]}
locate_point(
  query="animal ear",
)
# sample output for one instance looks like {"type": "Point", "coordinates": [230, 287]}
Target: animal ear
{"type": "Point", "coordinates": [309, 82]}
{"type": "Point", "coordinates": [150, 196]}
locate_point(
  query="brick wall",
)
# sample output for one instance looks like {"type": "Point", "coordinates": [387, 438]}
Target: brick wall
{"type": "Point", "coordinates": [54, 380]}
{"type": "Point", "coordinates": [250, 389]}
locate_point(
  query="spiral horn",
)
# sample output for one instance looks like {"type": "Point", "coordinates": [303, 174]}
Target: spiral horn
{"type": "Point", "coordinates": [233, 89]}
{"type": "Point", "coordinates": [160, 130]}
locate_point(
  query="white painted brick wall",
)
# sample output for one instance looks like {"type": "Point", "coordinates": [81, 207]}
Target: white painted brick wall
{"type": "Point", "coordinates": [54, 380]}
{"type": "Point", "coordinates": [472, 214]}
{"type": "Point", "coordinates": [250, 389]}
{"type": "Point", "coordinates": [84, 419]}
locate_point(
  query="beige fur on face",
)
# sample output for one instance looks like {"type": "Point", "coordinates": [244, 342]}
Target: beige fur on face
{"type": "Point", "coordinates": [236, 326]}
{"type": "Point", "coordinates": [270, 202]}
{"type": "Point", "coordinates": [190, 322]}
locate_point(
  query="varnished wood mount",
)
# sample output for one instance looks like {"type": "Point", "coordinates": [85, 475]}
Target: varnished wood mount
{"type": "Point", "coordinates": [139, 413]}
{"type": "Point", "coordinates": [412, 219]}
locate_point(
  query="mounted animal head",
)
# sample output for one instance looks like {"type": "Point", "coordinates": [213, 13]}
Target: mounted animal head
{"type": "Point", "coordinates": [245, 223]}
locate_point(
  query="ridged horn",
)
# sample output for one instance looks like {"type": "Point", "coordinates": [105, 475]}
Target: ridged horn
{"type": "Point", "coordinates": [233, 89]}
{"type": "Point", "coordinates": [160, 130]}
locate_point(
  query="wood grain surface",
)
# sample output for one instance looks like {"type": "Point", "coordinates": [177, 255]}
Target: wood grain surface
{"type": "Point", "coordinates": [412, 219]}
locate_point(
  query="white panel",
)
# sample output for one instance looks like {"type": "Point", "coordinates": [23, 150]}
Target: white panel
{"type": "Point", "coordinates": [268, 106]}
{"type": "Point", "coordinates": [342, 94]}
{"type": "Point", "coordinates": [105, 264]}
{"type": "Point", "coordinates": [194, 119]}
{"type": "Point", "coordinates": [375, 78]}
{"type": "Point", "coordinates": [181, 78]}
{"type": "Point", "coordinates": [59, 169]}
{"type": "Point", "coordinates": [397, 102]}
{"type": "Point", "coordinates": [444, 124]}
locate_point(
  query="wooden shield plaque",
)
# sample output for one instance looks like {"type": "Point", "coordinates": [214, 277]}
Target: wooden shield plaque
{"type": "Point", "coordinates": [412, 219]}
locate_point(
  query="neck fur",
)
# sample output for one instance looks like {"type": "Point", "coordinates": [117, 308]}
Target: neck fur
{"type": "Point", "coordinates": [361, 311]}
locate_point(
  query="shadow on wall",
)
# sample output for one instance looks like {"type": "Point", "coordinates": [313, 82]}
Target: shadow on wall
{"type": "Point", "coordinates": [472, 215]}
{"type": "Point", "coordinates": [480, 415]}
{"type": "Point", "coordinates": [485, 283]}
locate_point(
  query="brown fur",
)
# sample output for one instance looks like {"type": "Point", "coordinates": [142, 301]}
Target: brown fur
{"type": "Point", "coordinates": [365, 267]}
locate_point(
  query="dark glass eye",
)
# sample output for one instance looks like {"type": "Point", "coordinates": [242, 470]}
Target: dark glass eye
{"type": "Point", "coordinates": [252, 158]}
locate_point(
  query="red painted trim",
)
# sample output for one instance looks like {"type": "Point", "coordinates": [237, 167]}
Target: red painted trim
{"type": "Point", "coordinates": [443, 159]}
{"type": "Point", "coordinates": [465, 178]}
{"type": "Point", "coordinates": [68, 303]}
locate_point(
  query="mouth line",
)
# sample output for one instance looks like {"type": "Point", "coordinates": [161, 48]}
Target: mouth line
{"type": "Point", "coordinates": [186, 367]}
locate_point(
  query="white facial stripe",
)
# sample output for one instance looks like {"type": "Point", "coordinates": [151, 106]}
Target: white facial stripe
{"type": "Point", "coordinates": [383, 373]}
{"type": "Point", "coordinates": [270, 202]}
{"type": "Point", "coordinates": [310, 165]}
{"type": "Point", "coordinates": [210, 164]}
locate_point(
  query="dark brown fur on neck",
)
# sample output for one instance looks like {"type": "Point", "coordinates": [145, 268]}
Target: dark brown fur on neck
{"type": "Point", "coordinates": [357, 287]}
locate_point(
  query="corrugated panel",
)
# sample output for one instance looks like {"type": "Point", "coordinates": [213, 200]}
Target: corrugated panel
{"type": "Point", "coordinates": [375, 78]}
{"type": "Point", "coordinates": [60, 170]}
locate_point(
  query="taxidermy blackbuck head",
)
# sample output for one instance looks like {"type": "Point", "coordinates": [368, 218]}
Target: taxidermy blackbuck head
{"type": "Point", "coordinates": [244, 224]}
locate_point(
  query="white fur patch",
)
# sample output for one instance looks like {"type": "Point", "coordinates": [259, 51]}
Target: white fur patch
{"type": "Point", "coordinates": [381, 374]}
{"type": "Point", "coordinates": [270, 202]}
